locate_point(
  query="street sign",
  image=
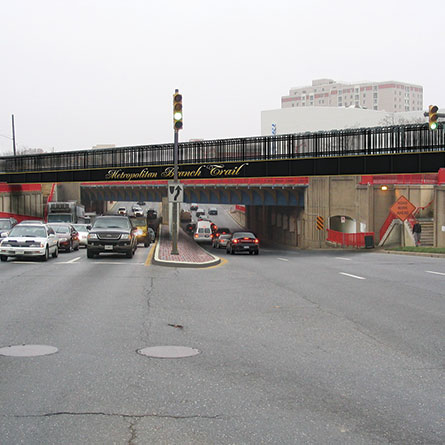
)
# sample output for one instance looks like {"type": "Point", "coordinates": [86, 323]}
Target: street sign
{"type": "Point", "coordinates": [175, 192]}
{"type": "Point", "coordinates": [402, 208]}
{"type": "Point", "coordinates": [320, 223]}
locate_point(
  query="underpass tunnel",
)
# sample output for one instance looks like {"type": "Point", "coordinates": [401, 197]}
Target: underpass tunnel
{"type": "Point", "coordinates": [342, 223]}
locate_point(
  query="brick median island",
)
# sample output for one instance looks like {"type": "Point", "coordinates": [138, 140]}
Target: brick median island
{"type": "Point", "coordinates": [188, 250]}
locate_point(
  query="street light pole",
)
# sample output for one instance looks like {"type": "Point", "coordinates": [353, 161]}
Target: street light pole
{"type": "Point", "coordinates": [13, 136]}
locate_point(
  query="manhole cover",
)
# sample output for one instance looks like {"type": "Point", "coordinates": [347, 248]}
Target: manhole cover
{"type": "Point", "coordinates": [27, 350]}
{"type": "Point", "coordinates": [169, 352]}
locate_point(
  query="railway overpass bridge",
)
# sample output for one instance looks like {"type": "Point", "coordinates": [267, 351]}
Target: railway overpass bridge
{"type": "Point", "coordinates": [289, 183]}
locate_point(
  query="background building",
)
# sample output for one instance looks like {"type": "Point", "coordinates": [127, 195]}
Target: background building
{"type": "Point", "coordinates": [300, 120]}
{"type": "Point", "coordinates": [392, 96]}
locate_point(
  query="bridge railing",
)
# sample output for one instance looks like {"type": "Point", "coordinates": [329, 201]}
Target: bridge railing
{"type": "Point", "coordinates": [362, 141]}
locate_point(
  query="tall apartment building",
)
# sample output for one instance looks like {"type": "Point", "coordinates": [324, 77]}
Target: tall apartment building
{"type": "Point", "coordinates": [389, 96]}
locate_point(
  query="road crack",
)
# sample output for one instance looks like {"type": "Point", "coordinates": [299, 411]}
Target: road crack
{"type": "Point", "coordinates": [122, 415]}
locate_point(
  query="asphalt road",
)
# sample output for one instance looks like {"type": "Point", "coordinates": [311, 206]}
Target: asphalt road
{"type": "Point", "coordinates": [296, 347]}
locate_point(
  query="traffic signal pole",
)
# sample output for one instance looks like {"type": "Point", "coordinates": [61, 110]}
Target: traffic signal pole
{"type": "Point", "coordinates": [175, 204]}
{"type": "Point", "coordinates": [177, 125]}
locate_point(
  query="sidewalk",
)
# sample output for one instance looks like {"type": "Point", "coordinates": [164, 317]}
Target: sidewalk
{"type": "Point", "coordinates": [190, 254]}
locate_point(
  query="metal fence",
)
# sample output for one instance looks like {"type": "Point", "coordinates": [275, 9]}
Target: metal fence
{"type": "Point", "coordinates": [362, 141]}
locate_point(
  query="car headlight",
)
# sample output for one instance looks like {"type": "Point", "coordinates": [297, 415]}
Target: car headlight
{"type": "Point", "coordinates": [5, 244]}
{"type": "Point", "coordinates": [37, 244]}
{"type": "Point", "coordinates": [125, 236]}
{"type": "Point", "coordinates": [139, 232]}
{"type": "Point", "coordinates": [92, 236]}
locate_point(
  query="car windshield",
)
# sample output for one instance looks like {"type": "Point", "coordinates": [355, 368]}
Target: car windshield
{"type": "Point", "coordinates": [28, 231]}
{"type": "Point", "coordinates": [5, 224]}
{"type": "Point", "coordinates": [61, 229]}
{"type": "Point", "coordinates": [59, 218]}
{"type": "Point", "coordinates": [140, 221]}
{"type": "Point", "coordinates": [111, 223]}
{"type": "Point", "coordinates": [81, 227]}
{"type": "Point", "coordinates": [243, 235]}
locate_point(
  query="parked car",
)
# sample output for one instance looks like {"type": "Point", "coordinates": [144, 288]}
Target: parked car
{"type": "Point", "coordinates": [220, 241]}
{"type": "Point", "coordinates": [67, 236]}
{"type": "Point", "coordinates": [193, 206]}
{"type": "Point", "coordinates": [30, 241]}
{"type": "Point", "coordinates": [141, 203]}
{"type": "Point", "coordinates": [113, 234]}
{"type": "Point", "coordinates": [200, 212]}
{"type": "Point", "coordinates": [6, 224]}
{"type": "Point", "coordinates": [83, 230]}
{"type": "Point", "coordinates": [122, 211]}
{"type": "Point", "coordinates": [243, 242]}
{"type": "Point", "coordinates": [212, 211]}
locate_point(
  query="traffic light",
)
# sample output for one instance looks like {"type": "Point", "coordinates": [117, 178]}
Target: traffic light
{"type": "Point", "coordinates": [177, 111]}
{"type": "Point", "coordinates": [432, 114]}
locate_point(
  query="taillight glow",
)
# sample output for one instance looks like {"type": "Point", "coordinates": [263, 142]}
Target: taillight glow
{"type": "Point", "coordinates": [196, 235]}
{"type": "Point", "coordinates": [235, 241]}
{"type": "Point", "coordinates": [257, 241]}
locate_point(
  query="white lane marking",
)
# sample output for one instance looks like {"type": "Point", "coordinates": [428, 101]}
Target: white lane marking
{"type": "Point", "coordinates": [341, 258]}
{"type": "Point", "coordinates": [282, 259]}
{"type": "Point", "coordinates": [353, 276]}
{"type": "Point", "coordinates": [74, 259]}
{"type": "Point", "coordinates": [21, 262]}
{"type": "Point", "coordinates": [436, 273]}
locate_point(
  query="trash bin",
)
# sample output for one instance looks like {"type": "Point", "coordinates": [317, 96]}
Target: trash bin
{"type": "Point", "coordinates": [369, 241]}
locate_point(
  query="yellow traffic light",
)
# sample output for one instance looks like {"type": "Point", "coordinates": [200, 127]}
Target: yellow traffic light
{"type": "Point", "coordinates": [432, 114]}
{"type": "Point", "coordinates": [177, 111]}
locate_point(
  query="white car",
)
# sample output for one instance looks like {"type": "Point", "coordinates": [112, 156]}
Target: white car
{"type": "Point", "coordinates": [30, 240]}
{"type": "Point", "coordinates": [83, 230]}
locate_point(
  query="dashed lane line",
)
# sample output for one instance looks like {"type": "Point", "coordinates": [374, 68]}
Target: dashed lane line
{"type": "Point", "coordinates": [435, 273]}
{"type": "Point", "coordinates": [341, 258]}
{"type": "Point", "coordinates": [282, 259]}
{"type": "Point", "coordinates": [352, 276]}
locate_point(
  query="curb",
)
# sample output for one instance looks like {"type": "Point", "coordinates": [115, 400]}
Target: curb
{"type": "Point", "coordinates": [424, 254]}
{"type": "Point", "coordinates": [156, 260]}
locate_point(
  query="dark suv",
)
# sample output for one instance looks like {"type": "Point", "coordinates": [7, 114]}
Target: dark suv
{"type": "Point", "coordinates": [114, 234]}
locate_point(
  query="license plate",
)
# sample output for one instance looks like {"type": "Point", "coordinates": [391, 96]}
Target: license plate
{"type": "Point", "coordinates": [108, 247]}
{"type": "Point", "coordinates": [20, 252]}
{"type": "Point", "coordinates": [246, 247]}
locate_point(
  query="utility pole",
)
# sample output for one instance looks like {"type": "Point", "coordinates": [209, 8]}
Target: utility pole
{"type": "Point", "coordinates": [13, 136]}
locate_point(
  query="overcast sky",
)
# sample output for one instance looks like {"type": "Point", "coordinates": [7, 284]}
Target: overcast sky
{"type": "Point", "coordinates": [86, 72]}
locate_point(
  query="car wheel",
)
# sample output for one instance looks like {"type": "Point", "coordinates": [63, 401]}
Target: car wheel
{"type": "Point", "coordinates": [257, 252]}
{"type": "Point", "coordinates": [90, 254]}
{"type": "Point", "coordinates": [232, 251]}
{"type": "Point", "coordinates": [130, 254]}
{"type": "Point", "coordinates": [250, 252]}
{"type": "Point", "coordinates": [70, 247]}
{"type": "Point", "coordinates": [3, 258]}
{"type": "Point", "coordinates": [56, 252]}
{"type": "Point", "coordinates": [77, 247]}
{"type": "Point", "coordinates": [146, 244]}
{"type": "Point", "coordinates": [46, 256]}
